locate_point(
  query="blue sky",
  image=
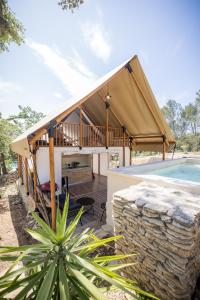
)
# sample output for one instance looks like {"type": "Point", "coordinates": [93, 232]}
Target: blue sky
{"type": "Point", "coordinates": [66, 52]}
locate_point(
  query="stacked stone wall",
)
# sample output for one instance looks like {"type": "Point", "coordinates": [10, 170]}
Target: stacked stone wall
{"type": "Point", "coordinates": [162, 225]}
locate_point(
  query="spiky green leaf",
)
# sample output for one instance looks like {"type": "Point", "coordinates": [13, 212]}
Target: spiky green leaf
{"type": "Point", "coordinates": [47, 282]}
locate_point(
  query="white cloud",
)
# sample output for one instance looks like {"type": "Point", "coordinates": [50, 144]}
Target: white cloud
{"type": "Point", "coordinates": [58, 95]}
{"type": "Point", "coordinates": [143, 55]}
{"type": "Point", "coordinates": [175, 48]}
{"type": "Point", "coordinates": [96, 37]}
{"type": "Point", "coordinates": [72, 72]}
{"type": "Point", "coordinates": [161, 99]}
{"type": "Point", "coordinates": [7, 87]}
{"type": "Point", "coordinates": [8, 91]}
{"type": "Point", "coordinates": [181, 97]}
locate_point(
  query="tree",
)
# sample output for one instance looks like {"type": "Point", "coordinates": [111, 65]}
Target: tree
{"type": "Point", "coordinates": [26, 117]}
{"type": "Point", "coordinates": [12, 127]}
{"type": "Point", "coordinates": [172, 112]}
{"type": "Point", "coordinates": [8, 132]}
{"type": "Point", "coordinates": [191, 114]}
{"type": "Point", "coordinates": [185, 123]}
{"type": "Point", "coordinates": [70, 4]}
{"type": "Point", "coordinates": [11, 29]}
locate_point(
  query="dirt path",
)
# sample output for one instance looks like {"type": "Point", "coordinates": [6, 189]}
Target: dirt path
{"type": "Point", "coordinates": [12, 215]}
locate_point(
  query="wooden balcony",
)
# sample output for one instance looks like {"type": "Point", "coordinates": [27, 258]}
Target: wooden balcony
{"type": "Point", "coordinates": [76, 135]}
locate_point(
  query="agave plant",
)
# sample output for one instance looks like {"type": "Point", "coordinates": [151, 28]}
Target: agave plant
{"type": "Point", "coordinates": [63, 265]}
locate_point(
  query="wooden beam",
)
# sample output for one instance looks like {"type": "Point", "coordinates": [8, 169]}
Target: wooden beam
{"type": "Point", "coordinates": [107, 125]}
{"type": "Point", "coordinates": [52, 177]}
{"type": "Point", "coordinates": [20, 168]}
{"type": "Point", "coordinates": [148, 143]}
{"type": "Point", "coordinates": [34, 172]}
{"type": "Point", "coordinates": [89, 120]}
{"type": "Point", "coordinates": [26, 176]}
{"type": "Point", "coordinates": [146, 136]}
{"type": "Point", "coordinates": [131, 149]}
{"type": "Point", "coordinates": [164, 147]}
{"type": "Point", "coordinates": [130, 158]}
{"type": "Point", "coordinates": [124, 137]}
{"type": "Point", "coordinates": [99, 163]}
{"type": "Point", "coordinates": [37, 136]}
{"type": "Point", "coordinates": [114, 114]}
{"type": "Point", "coordinates": [81, 128]}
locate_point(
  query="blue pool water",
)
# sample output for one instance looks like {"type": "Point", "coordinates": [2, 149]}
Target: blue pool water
{"type": "Point", "coordinates": [185, 171]}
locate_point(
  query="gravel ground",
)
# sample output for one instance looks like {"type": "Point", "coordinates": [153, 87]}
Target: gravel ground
{"type": "Point", "coordinates": [13, 219]}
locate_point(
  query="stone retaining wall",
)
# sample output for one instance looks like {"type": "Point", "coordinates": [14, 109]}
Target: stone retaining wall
{"type": "Point", "coordinates": [163, 226]}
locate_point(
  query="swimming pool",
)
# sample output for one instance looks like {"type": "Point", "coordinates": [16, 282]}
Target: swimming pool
{"type": "Point", "coordinates": [185, 171]}
{"type": "Point", "coordinates": [182, 174]}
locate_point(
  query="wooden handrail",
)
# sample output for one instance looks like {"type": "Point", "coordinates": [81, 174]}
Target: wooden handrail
{"type": "Point", "coordinates": [74, 135]}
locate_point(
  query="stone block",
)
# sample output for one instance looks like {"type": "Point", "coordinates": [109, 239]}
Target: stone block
{"type": "Point", "coordinates": [163, 226]}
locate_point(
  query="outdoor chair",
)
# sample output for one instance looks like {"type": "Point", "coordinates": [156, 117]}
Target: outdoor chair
{"type": "Point", "coordinates": [103, 207]}
{"type": "Point", "coordinates": [74, 207]}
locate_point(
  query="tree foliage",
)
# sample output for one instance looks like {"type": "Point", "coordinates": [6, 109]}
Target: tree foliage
{"type": "Point", "coordinates": [13, 126]}
{"type": "Point", "coordinates": [26, 117]}
{"type": "Point", "coordinates": [70, 4]}
{"type": "Point", "coordinates": [11, 29]}
{"type": "Point", "coordinates": [172, 111]}
{"type": "Point", "coordinates": [185, 123]}
{"type": "Point", "coordinates": [8, 132]}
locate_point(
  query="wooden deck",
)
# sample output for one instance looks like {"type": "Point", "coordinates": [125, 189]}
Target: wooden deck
{"type": "Point", "coordinates": [97, 189]}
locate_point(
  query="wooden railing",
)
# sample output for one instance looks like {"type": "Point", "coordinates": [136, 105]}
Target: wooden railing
{"type": "Point", "coordinates": [76, 135]}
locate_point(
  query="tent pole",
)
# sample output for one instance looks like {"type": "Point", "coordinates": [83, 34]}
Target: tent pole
{"type": "Point", "coordinates": [130, 156]}
{"type": "Point", "coordinates": [81, 128]}
{"type": "Point", "coordinates": [112, 112]}
{"type": "Point", "coordinates": [131, 149]}
{"type": "Point", "coordinates": [52, 177]}
{"type": "Point", "coordinates": [26, 175]}
{"type": "Point", "coordinates": [107, 124]}
{"type": "Point", "coordinates": [164, 150]}
{"type": "Point", "coordinates": [99, 163]}
{"type": "Point", "coordinates": [34, 172]}
{"type": "Point", "coordinates": [124, 133]}
{"type": "Point", "coordinates": [20, 168]}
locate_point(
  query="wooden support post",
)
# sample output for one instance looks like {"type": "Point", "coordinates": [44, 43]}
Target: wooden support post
{"type": "Point", "coordinates": [130, 162]}
{"type": "Point", "coordinates": [131, 149]}
{"type": "Point", "coordinates": [124, 136]}
{"type": "Point", "coordinates": [52, 177]}
{"type": "Point", "coordinates": [81, 128]}
{"type": "Point", "coordinates": [107, 125]}
{"type": "Point", "coordinates": [23, 171]}
{"type": "Point", "coordinates": [164, 145]}
{"type": "Point", "coordinates": [34, 172]}
{"type": "Point", "coordinates": [20, 168]}
{"type": "Point", "coordinates": [26, 176]}
{"type": "Point", "coordinates": [99, 163]}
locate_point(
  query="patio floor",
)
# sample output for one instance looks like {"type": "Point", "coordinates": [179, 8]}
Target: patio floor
{"type": "Point", "coordinates": [97, 189]}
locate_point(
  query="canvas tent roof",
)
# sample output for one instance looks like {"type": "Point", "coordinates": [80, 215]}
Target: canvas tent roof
{"type": "Point", "coordinates": [132, 102]}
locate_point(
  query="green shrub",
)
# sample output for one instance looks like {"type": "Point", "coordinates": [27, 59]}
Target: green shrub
{"type": "Point", "coordinates": [61, 265]}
